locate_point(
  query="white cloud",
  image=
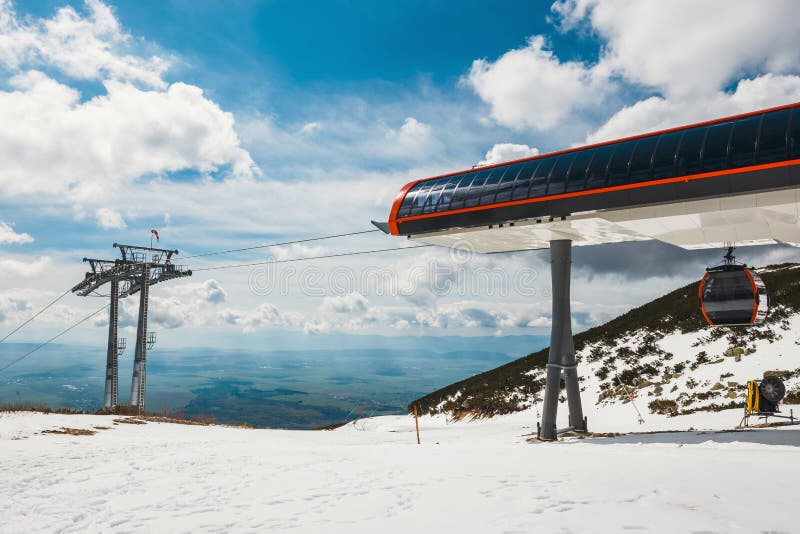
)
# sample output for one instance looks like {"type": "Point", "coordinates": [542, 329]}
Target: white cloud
{"type": "Point", "coordinates": [401, 324]}
{"type": "Point", "coordinates": [412, 131]}
{"type": "Point", "coordinates": [50, 143]}
{"type": "Point", "coordinates": [359, 133]}
{"type": "Point", "coordinates": [9, 237]}
{"type": "Point", "coordinates": [224, 214]}
{"type": "Point", "coordinates": [24, 268]}
{"type": "Point", "coordinates": [185, 304]}
{"type": "Point", "coordinates": [684, 47]}
{"type": "Point", "coordinates": [664, 48]}
{"type": "Point", "coordinates": [109, 218]}
{"type": "Point", "coordinates": [162, 313]}
{"type": "Point", "coordinates": [13, 306]}
{"type": "Point", "coordinates": [169, 312]}
{"type": "Point", "coordinates": [541, 322]}
{"type": "Point", "coordinates": [198, 294]}
{"type": "Point", "coordinates": [59, 148]}
{"type": "Point", "coordinates": [479, 315]}
{"type": "Point", "coordinates": [352, 303]}
{"type": "Point", "coordinates": [316, 327]}
{"type": "Point", "coordinates": [91, 48]}
{"type": "Point", "coordinates": [753, 48]}
{"type": "Point", "coordinates": [310, 127]}
{"type": "Point", "coordinates": [212, 291]}
{"type": "Point", "coordinates": [531, 88]}
{"type": "Point", "coordinates": [412, 137]}
{"type": "Point", "coordinates": [501, 152]}
{"type": "Point", "coordinates": [296, 250]}
{"type": "Point", "coordinates": [265, 315]}
{"type": "Point", "coordinates": [656, 113]}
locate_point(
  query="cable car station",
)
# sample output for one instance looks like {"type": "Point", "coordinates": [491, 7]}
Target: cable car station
{"type": "Point", "coordinates": [706, 185]}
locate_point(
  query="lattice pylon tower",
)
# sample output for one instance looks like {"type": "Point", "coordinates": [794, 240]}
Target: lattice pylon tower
{"type": "Point", "coordinates": [139, 268]}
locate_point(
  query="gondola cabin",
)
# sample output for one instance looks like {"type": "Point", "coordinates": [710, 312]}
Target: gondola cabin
{"type": "Point", "coordinates": [733, 295]}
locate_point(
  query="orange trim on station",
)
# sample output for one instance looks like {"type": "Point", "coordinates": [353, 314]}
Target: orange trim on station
{"type": "Point", "coordinates": [700, 296]}
{"type": "Point", "coordinates": [396, 206]}
{"type": "Point", "coordinates": [393, 221]}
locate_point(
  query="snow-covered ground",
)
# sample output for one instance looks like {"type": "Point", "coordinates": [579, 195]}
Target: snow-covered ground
{"type": "Point", "coordinates": [371, 476]}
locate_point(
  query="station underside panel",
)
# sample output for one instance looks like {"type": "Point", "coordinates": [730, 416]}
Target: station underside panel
{"type": "Point", "coordinates": [746, 219]}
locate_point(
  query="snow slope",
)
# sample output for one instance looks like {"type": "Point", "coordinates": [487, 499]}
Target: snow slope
{"type": "Point", "coordinates": [662, 352]}
{"type": "Point", "coordinates": [371, 476]}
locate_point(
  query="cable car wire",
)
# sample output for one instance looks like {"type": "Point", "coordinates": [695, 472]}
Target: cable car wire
{"type": "Point", "coordinates": [35, 315]}
{"type": "Point", "coordinates": [268, 262]}
{"type": "Point", "coordinates": [105, 306]}
{"type": "Point", "coordinates": [279, 244]}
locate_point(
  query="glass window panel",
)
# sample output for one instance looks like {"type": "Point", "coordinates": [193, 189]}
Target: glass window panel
{"type": "Point", "coordinates": [433, 195]}
{"type": "Point", "coordinates": [490, 187]}
{"type": "Point", "coordinates": [558, 176]}
{"type": "Point", "coordinates": [618, 168]}
{"type": "Point", "coordinates": [422, 196]}
{"type": "Point", "coordinates": [743, 141]}
{"type": "Point", "coordinates": [664, 155]}
{"type": "Point", "coordinates": [523, 182]}
{"type": "Point", "coordinates": [539, 181]}
{"type": "Point", "coordinates": [794, 134]}
{"type": "Point", "coordinates": [596, 173]}
{"type": "Point", "coordinates": [641, 159]}
{"type": "Point", "coordinates": [507, 183]}
{"type": "Point", "coordinates": [688, 160]}
{"type": "Point", "coordinates": [772, 141]}
{"type": "Point", "coordinates": [447, 193]}
{"type": "Point", "coordinates": [577, 173]}
{"type": "Point", "coordinates": [476, 190]}
{"type": "Point", "coordinates": [408, 200]}
{"type": "Point", "coordinates": [462, 190]}
{"type": "Point", "coordinates": [715, 149]}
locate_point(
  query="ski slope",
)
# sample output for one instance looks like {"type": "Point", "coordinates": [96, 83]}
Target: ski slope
{"type": "Point", "coordinates": [371, 476]}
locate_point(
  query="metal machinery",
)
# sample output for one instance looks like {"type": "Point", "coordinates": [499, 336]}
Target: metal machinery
{"type": "Point", "coordinates": [763, 397]}
{"type": "Point", "coordinates": [732, 294]}
{"type": "Point", "coordinates": [697, 186]}
{"type": "Point", "coordinates": [137, 270]}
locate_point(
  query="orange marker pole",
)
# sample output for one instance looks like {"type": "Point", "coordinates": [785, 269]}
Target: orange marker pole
{"type": "Point", "coordinates": [416, 422]}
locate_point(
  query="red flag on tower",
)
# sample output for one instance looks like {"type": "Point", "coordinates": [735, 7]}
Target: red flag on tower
{"type": "Point", "coordinates": [155, 233]}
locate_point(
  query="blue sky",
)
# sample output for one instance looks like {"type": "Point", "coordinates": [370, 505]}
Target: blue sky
{"type": "Point", "coordinates": [228, 124]}
{"type": "Point", "coordinates": [337, 42]}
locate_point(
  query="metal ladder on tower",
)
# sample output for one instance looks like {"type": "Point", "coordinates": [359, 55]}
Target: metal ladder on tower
{"type": "Point", "coordinates": [146, 303]}
{"type": "Point", "coordinates": [139, 379]}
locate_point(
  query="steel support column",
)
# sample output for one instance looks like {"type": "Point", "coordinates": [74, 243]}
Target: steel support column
{"type": "Point", "coordinates": [111, 398]}
{"type": "Point", "coordinates": [562, 351]}
{"type": "Point", "coordinates": [140, 359]}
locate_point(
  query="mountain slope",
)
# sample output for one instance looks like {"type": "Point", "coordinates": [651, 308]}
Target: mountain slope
{"type": "Point", "coordinates": [662, 352]}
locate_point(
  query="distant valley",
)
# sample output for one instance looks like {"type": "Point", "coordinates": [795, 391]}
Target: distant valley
{"type": "Point", "coordinates": [278, 388]}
